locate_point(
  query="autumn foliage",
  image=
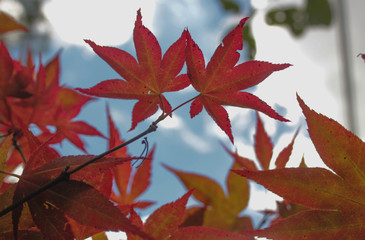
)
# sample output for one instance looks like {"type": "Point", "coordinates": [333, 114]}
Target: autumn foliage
{"type": "Point", "coordinates": [318, 203]}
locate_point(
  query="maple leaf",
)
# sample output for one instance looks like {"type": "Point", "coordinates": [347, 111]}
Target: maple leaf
{"type": "Point", "coordinates": [220, 82]}
{"type": "Point", "coordinates": [263, 145]}
{"type": "Point", "coordinates": [145, 80]}
{"type": "Point", "coordinates": [6, 227]}
{"type": "Point", "coordinates": [5, 145]}
{"type": "Point", "coordinates": [139, 181]}
{"type": "Point", "coordinates": [219, 211]}
{"type": "Point", "coordinates": [337, 196]}
{"type": "Point", "coordinates": [41, 100]}
{"type": "Point", "coordinates": [13, 78]}
{"type": "Point", "coordinates": [8, 23]}
{"type": "Point", "coordinates": [82, 202]}
{"type": "Point", "coordinates": [44, 90]}
{"type": "Point", "coordinates": [164, 220]}
{"type": "Point", "coordinates": [264, 150]}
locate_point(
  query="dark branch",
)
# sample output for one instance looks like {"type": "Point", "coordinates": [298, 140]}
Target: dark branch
{"type": "Point", "coordinates": [65, 174]}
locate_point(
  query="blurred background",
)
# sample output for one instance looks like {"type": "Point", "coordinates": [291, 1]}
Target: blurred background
{"type": "Point", "coordinates": [320, 38]}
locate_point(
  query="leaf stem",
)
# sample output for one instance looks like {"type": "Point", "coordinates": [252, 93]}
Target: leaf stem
{"type": "Point", "coordinates": [11, 174]}
{"type": "Point", "coordinates": [19, 149]}
{"type": "Point", "coordinates": [163, 116]}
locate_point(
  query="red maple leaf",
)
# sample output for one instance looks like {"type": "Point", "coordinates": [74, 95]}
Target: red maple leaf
{"type": "Point", "coordinates": [139, 180]}
{"type": "Point", "coordinates": [220, 82]}
{"type": "Point", "coordinates": [334, 197]}
{"type": "Point", "coordinates": [84, 197]}
{"type": "Point", "coordinates": [146, 79]}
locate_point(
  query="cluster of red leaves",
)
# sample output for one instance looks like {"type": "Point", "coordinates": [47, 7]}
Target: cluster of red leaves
{"type": "Point", "coordinates": [219, 83]}
{"type": "Point", "coordinates": [76, 208]}
{"type": "Point", "coordinates": [332, 199]}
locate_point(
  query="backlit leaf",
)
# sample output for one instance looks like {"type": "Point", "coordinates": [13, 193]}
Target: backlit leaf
{"type": "Point", "coordinates": [220, 82]}
{"type": "Point", "coordinates": [165, 220]}
{"type": "Point", "coordinates": [263, 145]}
{"type": "Point", "coordinates": [7, 24]}
{"type": "Point", "coordinates": [145, 80]}
{"type": "Point", "coordinates": [337, 196]}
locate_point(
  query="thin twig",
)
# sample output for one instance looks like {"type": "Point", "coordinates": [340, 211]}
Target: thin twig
{"type": "Point", "coordinates": [144, 152]}
{"type": "Point", "coordinates": [264, 219]}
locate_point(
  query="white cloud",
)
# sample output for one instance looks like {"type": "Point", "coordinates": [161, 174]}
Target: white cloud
{"type": "Point", "coordinates": [173, 122]}
{"type": "Point", "coordinates": [18, 171]}
{"type": "Point", "coordinates": [108, 22]}
{"type": "Point", "coordinates": [195, 141]}
{"type": "Point", "coordinates": [262, 199]}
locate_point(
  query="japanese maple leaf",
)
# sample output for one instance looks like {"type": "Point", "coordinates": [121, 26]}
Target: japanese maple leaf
{"type": "Point", "coordinates": [26, 224]}
{"type": "Point", "coordinates": [146, 79]}
{"type": "Point", "coordinates": [7, 24]}
{"type": "Point", "coordinates": [130, 185]}
{"type": "Point", "coordinates": [163, 221]}
{"type": "Point", "coordinates": [68, 105]}
{"type": "Point", "coordinates": [44, 90]}
{"type": "Point", "coordinates": [76, 198]}
{"type": "Point", "coordinates": [220, 210]}
{"type": "Point", "coordinates": [264, 150]}
{"type": "Point", "coordinates": [14, 78]}
{"type": "Point", "coordinates": [5, 145]}
{"type": "Point", "coordinates": [220, 82]}
{"type": "Point", "coordinates": [336, 196]}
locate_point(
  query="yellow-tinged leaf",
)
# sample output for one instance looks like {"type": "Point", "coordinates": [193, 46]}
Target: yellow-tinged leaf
{"type": "Point", "coordinates": [100, 236]}
{"type": "Point", "coordinates": [238, 191]}
{"type": "Point", "coordinates": [4, 149]}
{"type": "Point", "coordinates": [7, 24]}
{"type": "Point", "coordinates": [206, 191]}
{"type": "Point", "coordinates": [340, 149]}
{"type": "Point", "coordinates": [337, 196]}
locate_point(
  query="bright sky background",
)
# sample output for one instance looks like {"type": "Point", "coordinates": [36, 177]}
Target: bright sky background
{"type": "Point", "coordinates": [194, 145]}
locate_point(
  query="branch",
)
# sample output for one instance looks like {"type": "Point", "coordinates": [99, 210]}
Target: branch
{"type": "Point", "coordinates": [65, 174]}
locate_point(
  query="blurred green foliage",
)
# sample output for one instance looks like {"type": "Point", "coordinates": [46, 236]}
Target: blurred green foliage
{"type": "Point", "coordinates": [297, 20]}
{"type": "Point", "coordinates": [229, 5]}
